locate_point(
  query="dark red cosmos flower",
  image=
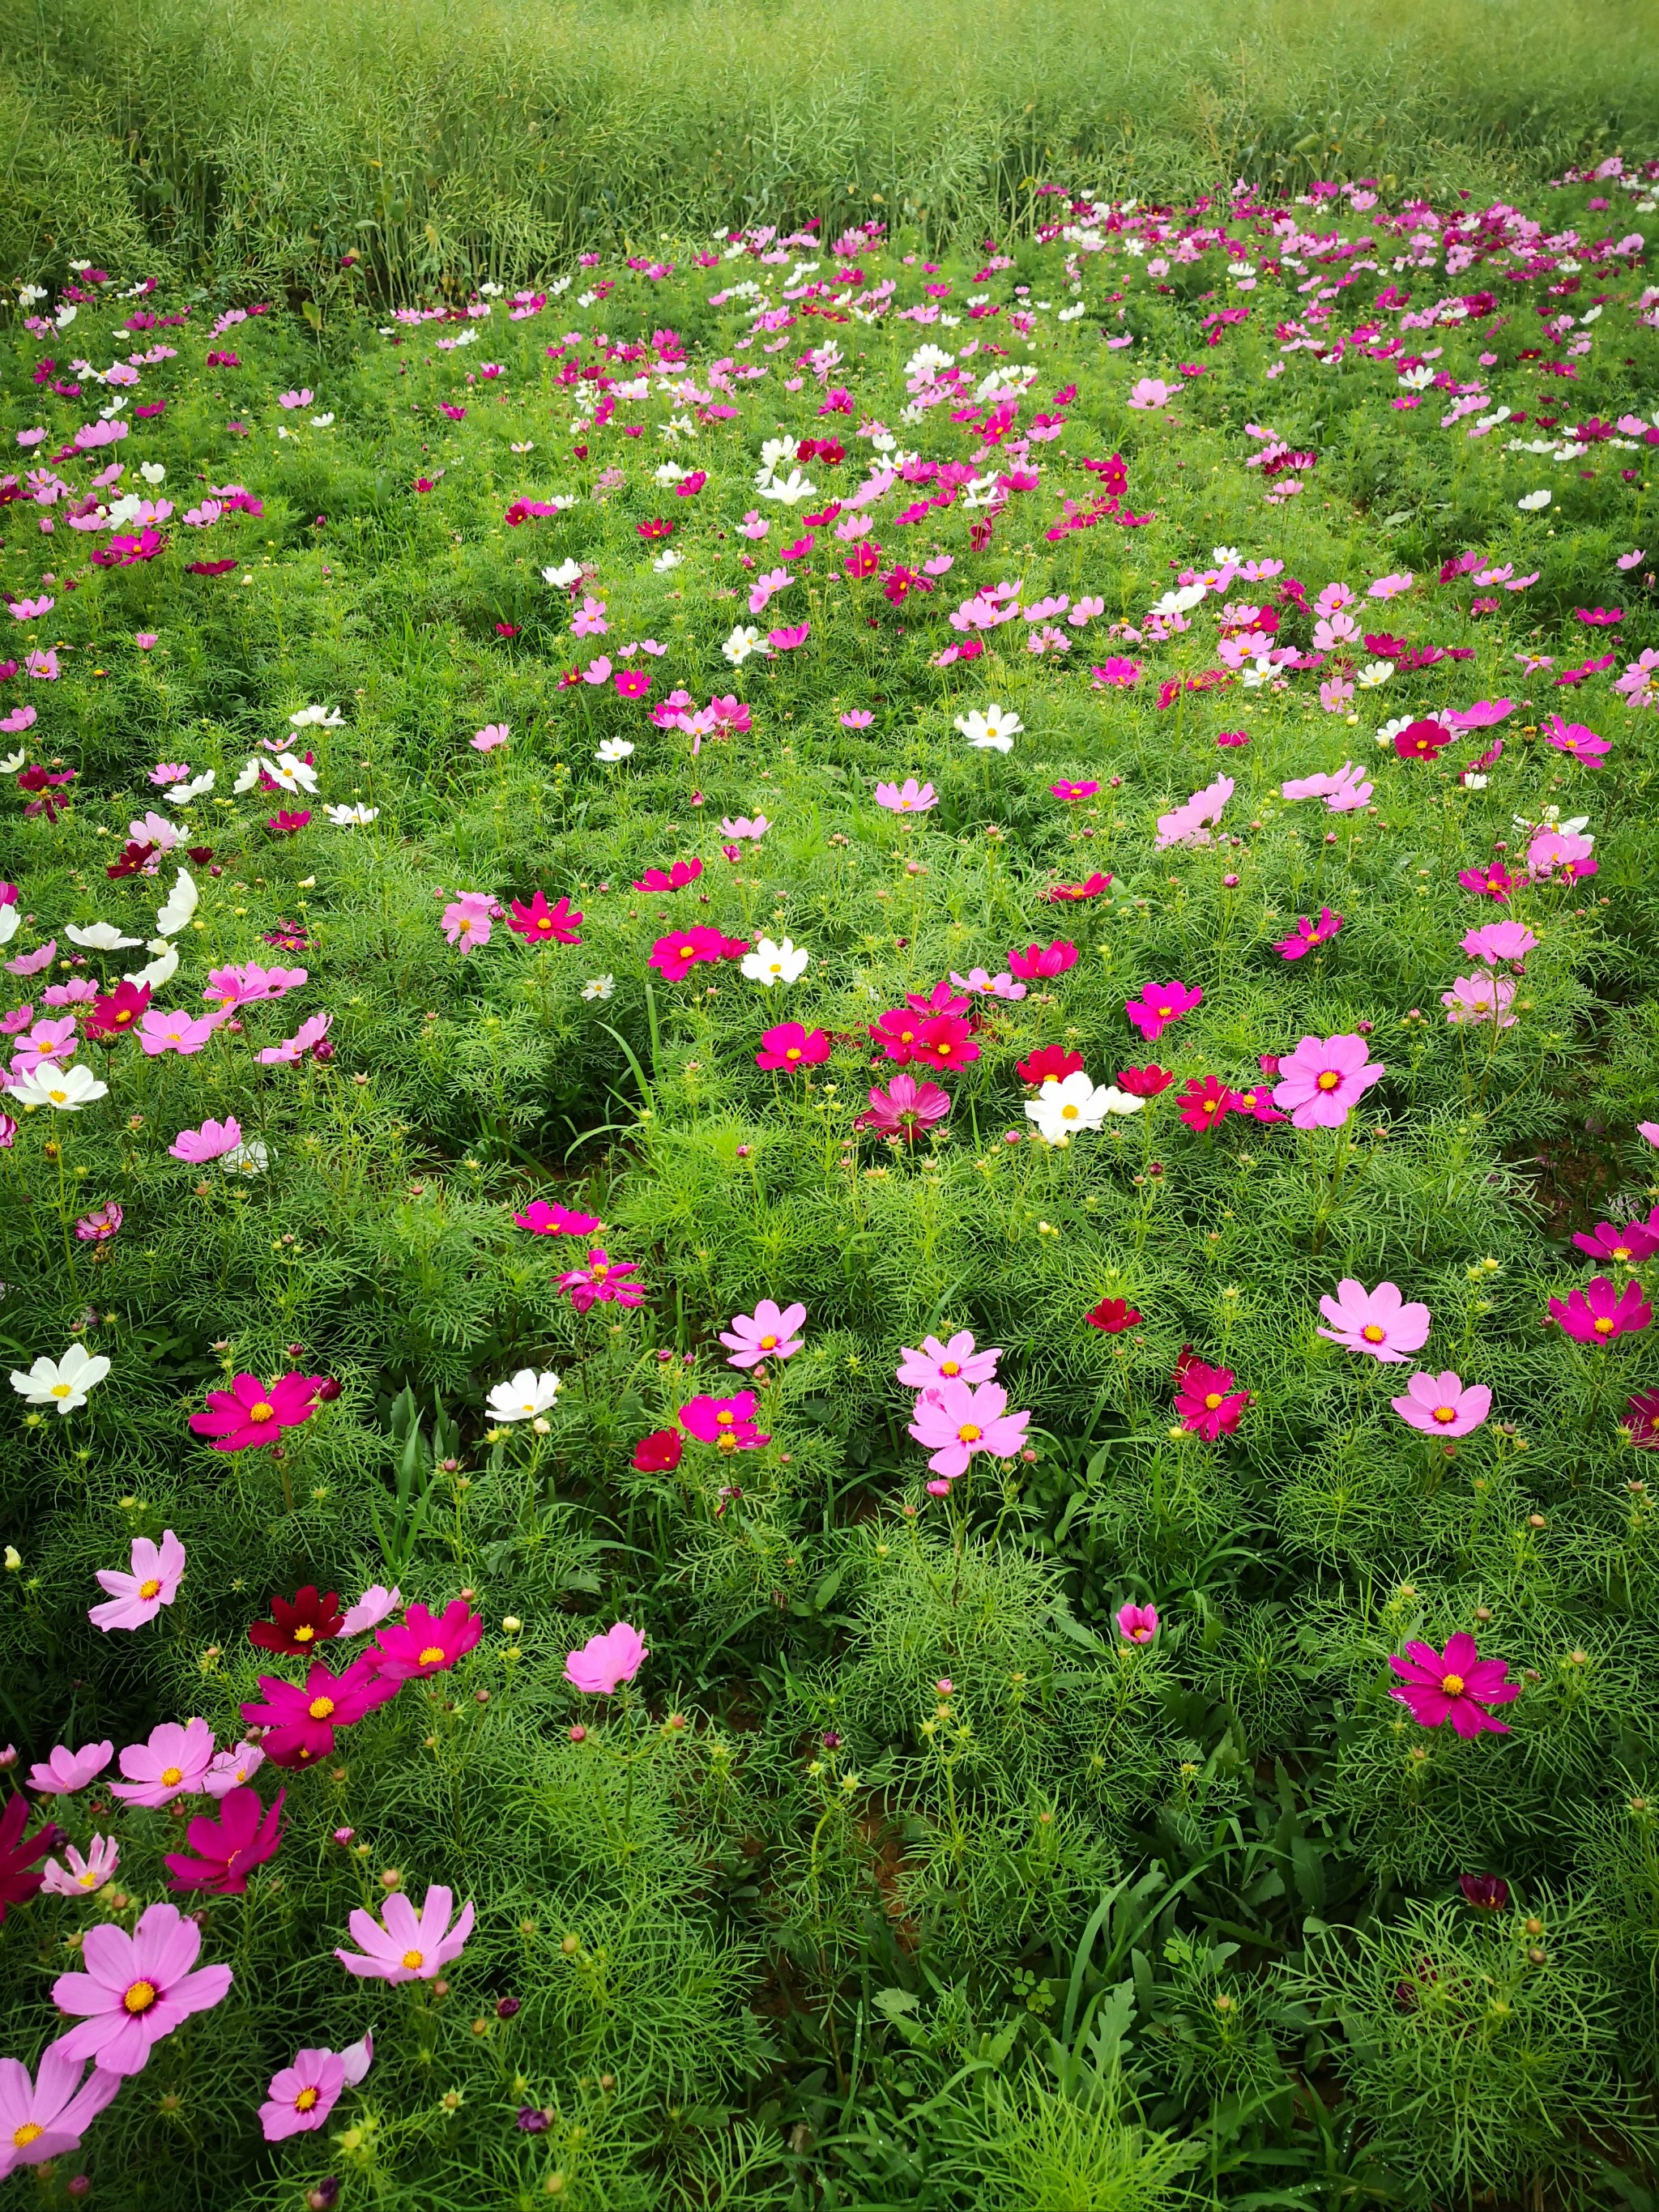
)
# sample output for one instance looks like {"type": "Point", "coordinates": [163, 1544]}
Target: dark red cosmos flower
{"type": "Point", "coordinates": [424, 1643]}
{"type": "Point", "coordinates": [1145, 1082]}
{"type": "Point", "coordinates": [1049, 1059]}
{"type": "Point", "coordinates": [1114, 1315]}
{"type": "Point", "coordinates": [114, 1012]}
{"type": "Point", "coordinates": [1421, 740]}
{"type": "Point", "coordinates": [208, 568]}
{"type": "Point", "coordinates": [18, 1876]}
{"type": "Point", "coordinates": [1487, 1892]}
{"type": "Point", "coordinates": [298, 1627]}
{"type": "Point", "coordinates": [538, 923]}
{"type": "Point", "coordinates": [245, 1835]}
{"type": "Point", "coordinates": [659, 1453]}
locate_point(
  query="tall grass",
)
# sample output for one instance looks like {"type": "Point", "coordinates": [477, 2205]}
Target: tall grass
{"type": "Point", "coordinates": [443, 142]}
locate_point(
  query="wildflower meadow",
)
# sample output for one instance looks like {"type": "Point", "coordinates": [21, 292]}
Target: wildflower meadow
{"type": "Point", "coordinates": [828, 1189]}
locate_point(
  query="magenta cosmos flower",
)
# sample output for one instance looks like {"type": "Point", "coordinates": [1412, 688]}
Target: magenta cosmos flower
{"type": "Point", "coordinates": [1379, 1322]}
{"type": "Point", "coordinates": [245, 1834]}
{"type": "Point", "coordinates": [768, 1333]}
{"type": "Point", "coordinates": [1456, 1685]}
{"type": "Point", "coordinates": [603, 1281]}
{"type": "Point", "coordinates": [409, 1946]}
{"type": "Point", "coordinates": [172, 1764]}
{"type": "Point", "coordinates": [1308, 935]}
{"type": "Point", "coordinates": [954, 1361]}
{"type": "Point", "coordinates": [675, 957]}
{"type": "Point", "coordinates": [604, 1662]}
{"type": "Point", "coordinates": [1324, 1080]}
{"type": "Point", "coordinates": [1160, 1003]}
{"type": "Point", "coordinates": [46, 2117]}
{"type": "Point", "coordinates": [954, 1421]}
{"type": "Point", "coordinates": [1137, 1624]}
{"type": "Point", "coordinates": [19, 1875]}
{"type": "Point", "coordinates": [791, 1044]}
{"type": "Point", "coordinates": [137, 1989]}
{"type": "Point", "coordinates": [1442, 1406]}
{"type": "Point", "coordinates": [1206, 1401]}
{"type": "Point", "coordinates": [138, 1596]}
{"type": "Point", "coordinates": [906, 1108]}
{"type": "Point", "coordinates": [727, 1423]}
{"type": "Point", "coordinates": [1598, 1313]}
{"type": "Point", "coordinates": [422, 1644]}
{"type": "Point", "coordinates": [252, 1413]}
{"type": "Point", "coordinates": [301, 1722]}
{"type": "Point", "coordinates": [302, 2096]}
{"type": "Point", "coordinates": [62, 1771]}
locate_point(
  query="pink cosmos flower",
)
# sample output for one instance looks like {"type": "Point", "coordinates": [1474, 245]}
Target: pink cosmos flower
{"type": "Point", "coordinates": [906, 1108]}
{"type": "Point", "coordinates": [101, 1225]}
{"type": "Point", "coordinates": [1379, 1322]}
{"type": "Point", "coordinates": [603, 1281]}
{"type": "Point", "coordinates": [789, 1044]}
{"type": "Point", "coordinates": [1137, 1624]}
{"type": "Point", "coordinates": [1566, 851]}
{"type": "Point", "coordinates": [152, 1582]}
{"type": "Point", "coordinates": [1161, 1004]}
{"type": "Point", "coordinates": [170, 1765]}
{"type": "Point", "coordinates": [81, 1877]}
{"type": "Point", "coordinates": [937, 1363]}
{"type": "Point", "coordinates": [302, 2095]}
{"type": "Point", "coordinates": [1323, 1080]}
{"type": "Point", "coordinates": [1480, 998]}
{"type": "Point", "coordinates": [492, 734]}
{"type": "Point", "coordinates": [1456, 1685]}
{"type": "Point", "coordinates": [953, 1421]}
{"type": "Point", "coordinates": [1500, 940]}
{"type": "Point", "coordinates": [1071, 792]}
{"type": "Point", "coordinates": [300, 1721]}
{"type": "Point", "coordinates": [674, 878]}
{"type": "Point", "coordinates": [245, 984]}
{"type": "Point", "coordinates": [1308, 935]}
{"type": "Point", "coordinates": [245, 1834]}
{"type": "Point", "coordinates": [1630, 1246]}
{"type": "Point", "coordinates": [1442, 1406]}
{"type": "Point", "coordinates": [309, 1033]}
{"type": "Point", "coordinates": [252, 1413]}
{"type": "Point", "coordinates": [1043, 960]}
{"type": "Point", "coordinates": [423, 1643]}
{"type": "Point", "coordinates": [1115, 670]}
{"type": "Point", "coordinates": [211, 1142]}
{"type": "Point", "coordinates": [182, 1033]}
{"type": "Point", "coordinates": [727, 1423]}
{"type": "Point", "coordinates": [907, 798]}
{"type": "Point", "coordinates": [1598, 1313]}
{"type": "Point", "coordinates": [766, 1334]}
{"type": "Point", "coordinates": [604, 1662]}
{"type": "Point", "coordinates": [466, 921]}
{"type": "Point", "coordinates": [46, 2117]}
{"type": "Point", "coordinates": [409, 1946]}
{"type": "Point", "coordinates": [1573, 737]}
{"type": "Point", "coordinates": [231, 1769]}
{"type": "Point", "coordinates": [538, 923]}
{"type": "Point", "coordinates": [376, 1604]}
{"type": "Point", "coordinates": [984, 985]}
{"type": "Point", "coordinates": [62, 1771]}
{"type": "Point", "coordinates": [1150, 393]}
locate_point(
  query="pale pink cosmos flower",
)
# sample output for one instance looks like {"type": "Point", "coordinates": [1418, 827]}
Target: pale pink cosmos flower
{"type": "Point", "coordinates": [1568, 850]}
{"type": "Point", "coordinates": [466, 921]}
{"type": "Point", "coordinates": [908, 797]}
{"type": "Point", "coordinates": [1484, 998]}
{"type": "Point", "coordinates": [174, 1763]}
{"type": "Point", "coordinates": [604, 1662]}
{"type": "Point", "coordinates": [81, 1877]}
{"type": "Point", "coordinates": [138, 1595]}
{"type": "Point", "coordinates": [45, 2117]}
{"type": "Point", "coordinates": [309, 1033]}
{"type": "Point", "coordinates": [1149, 393]}
{"type": "Point", "coordinates": [230, 1769]}
{"type": "Point", "coordinates": [211, 1142]}
{"type": "Point", "coordinates": [766, 1334]}
{"type": "Point", "coordinates": [62, 1771]}
{"type": "Point", "coordinates": [1379, 1322]}
{"type": "Point", "coordinates": [409, 1946]}
{"type": "Point", "coordinates": [958, 1361]}
{"type": "Point", "coordinates": [1323, 1080]}
{"type": "Point", "coordinates": [1500, 940]}
{"type": "Point", "coordinates": [492, 734]}
{"type": "Point", "coordinates": [1444, 1406]}
{"type": "Point", "coordinates": [301, 2096]}
{"type": "Point", "coordinates": [242, 986]}
{"type": "Point", "coordinates": [742, 826]}
{"type": "Point", "coordinates": [166, 772]}
{"type": "Point", "coordinates": [376, 1604]}
{"type": "Point", "coordinates": [980, 979]}
{"type": "Point", "coordinates": [183, 1033]}
{"type": "Point", "coordinates": [953, 1422]}
{"type": "Point", "coordinates": [137, 1989]}
{"type": "Point", "coordinates": [1649, 1131]}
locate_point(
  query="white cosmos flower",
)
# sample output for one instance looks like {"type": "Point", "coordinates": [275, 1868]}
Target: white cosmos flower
{"type": "Point", "coordinates": [321, 422]}
{"type": "Point", "coordinates": [180, 905]}
{"type": "Point", "coordinates": [353, 818]}
{"type": "Point", "coordinates": [994, 731]}
{"type": "Point", "coordinates": [562, 578]}
{"type": "Point", "coordinates": [769, 963]}
{"type": "Point", "coordinates": [251, 1158]}
{"type": "Point", "coordinates": [62, 1382]}
{"type": "Point", "coordinates": [794, 488]}
{"type": "Point", "coordinates": [599, 987]}
{"type": "Point", "coordinates": [1373, 673]}
{"type": "Point", "coordinates": [152, 473]}
{"type": "Point", "coordinates": [775, 450]}
{"type": "Point", "coordinates": [182, 794]}
{"type": "Point", "coordinates": [526, 1396]}
{"type": "Point", "coordinates": [291, 774]}
{"type": "Point", "coordinates": [665, 562]}
{"type": "Point", "coordinates": [1533, 502]}
{"type": "Point", "coordinates": [1060, 1108]}
{"type": "Point", "coordinates": [11, 921]}
{"type": "Point", "coordinates": [611, 749]}
{"type": "Point", "coordinates": [322, 718]}
{"type": "Point", "coordinates": [101, 937]}
{"type": "Point", "coordinates": [69, 1089]}
{"type": "Point", "coordinates": [162, 969]}
{"type": "Point", "coordinates": [743, 640]}
{"type": "Point", "coordinates": [12, 762]}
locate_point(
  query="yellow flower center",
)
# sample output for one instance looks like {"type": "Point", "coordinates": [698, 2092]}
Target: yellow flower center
{"type": "Point", "coordinates": [173, 1775]}
{"type": "Point", "coordinates": [969, 1433]}
{"type": "Point", "coordinates": [949, 1367]}
{"type": "Point", "coordinates": [262, 1411]}
{"type": "Point", "coordinates": [1068, 1113]}
{"type": "Point", "coordinates": [907, 1036]}
{"type": "Point", "coordinates": [304, 1634]}
{"type": "Point", "coordinates": [63, 1389]}
{"type": "Point", "coordinates": [1372, 1334]}
{"type": "Point", "coordinates": [88, 1880]}
{"type": "Point", "coordinates": [1452, 1685]}
{"type": "Point", "coordinates": [727, 1444]}
{"type": "Point", "coordinates": [151, 1589]}
{"type": "Point", "coordinates": [140, 1997]}
{"type": "Point", "coordinates": [1602, 1324]}
{"type": "Point", "coordinates": [768, 1344]}
{"type": "Point", "coordinates": [724, 1418]}
{"type": "Point", "coordinates": [305, 2100]}
{"type": "Point", "coordinates": [23, 2137]}
{"type": "Point", "coordinates": [1445, 1413]}
{"type": "Point", "coordinates": [1621, 1251]}
{"type": "Point", "coordinates": [320, 1708]}
{"type": "Point", "coordinates": [792, 1052]}
{"type": "Point", "coordinates": [413, 1960]}
{"type": "Point", "coordinates": [688, 951]}
{"type": "Point", "coordinates": [1212, 1400]}
{"type": "Point", "coordinates": [1329, 1079]}
{"type": "Point", "coordinates": [432, 1655]}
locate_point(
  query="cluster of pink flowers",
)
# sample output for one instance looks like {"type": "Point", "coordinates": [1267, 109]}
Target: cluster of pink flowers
{"type": "Point", "coordinates": [961, 1410]}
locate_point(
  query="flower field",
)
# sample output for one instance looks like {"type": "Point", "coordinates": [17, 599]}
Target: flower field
{"type": "Point", "coordinates": [828, 1183]}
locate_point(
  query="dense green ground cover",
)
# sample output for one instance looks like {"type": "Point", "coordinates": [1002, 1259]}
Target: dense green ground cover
{"type": "Point", "coordinates": [903, 1874]}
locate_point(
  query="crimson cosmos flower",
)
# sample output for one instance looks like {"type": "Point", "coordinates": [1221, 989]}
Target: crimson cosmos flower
{"type": "Point", "coordinates": [251, 1413]}
{"type": "Point", "coordinates": [116, 1012]}
{"type": "Point", "coordinates": [1205, 1400]}
{"type": "Point", "coordinates": [18, 1876]}
{"type": "Point", "coordinates": [1145, 1082]}
{"type": "Point", "coordinates": [1049, 1059]}
{"type": "Point", "coordinates": [672, 879]}
{"type": "Point", "coordinates": [245, 1834]}
{"type": "Point", "coordinates": [1114, 1315]}
{"type": "Point", "coordinates": [300, 1626]}
{"type": "Point", "coordinates": [791, 1045]}
{"type": "Point", "coordinates": [659, 1453]}
{"type": "Point", "coordinates": [675, 955]}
